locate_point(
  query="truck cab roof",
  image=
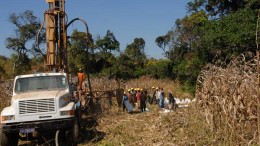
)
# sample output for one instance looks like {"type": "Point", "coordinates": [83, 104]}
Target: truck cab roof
{"type": "Point", "coordinates": [39, 74]}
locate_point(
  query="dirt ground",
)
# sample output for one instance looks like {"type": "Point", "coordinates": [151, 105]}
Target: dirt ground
{"type": "Point", "coordinates": [138, 128]}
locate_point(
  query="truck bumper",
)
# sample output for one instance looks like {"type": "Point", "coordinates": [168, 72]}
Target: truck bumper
{"type": "Point", "coordinates": [40, 126]}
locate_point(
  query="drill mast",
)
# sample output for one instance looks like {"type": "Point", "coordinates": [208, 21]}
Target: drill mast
{"type": "Point", "coordinates": [56, 36]}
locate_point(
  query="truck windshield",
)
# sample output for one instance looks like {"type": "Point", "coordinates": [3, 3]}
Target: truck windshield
{"type": "Point", "coordinates": [40, 83]}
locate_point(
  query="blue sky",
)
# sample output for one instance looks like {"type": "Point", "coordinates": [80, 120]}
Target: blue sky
{"type": "Point", "coordinates": [127, 19]}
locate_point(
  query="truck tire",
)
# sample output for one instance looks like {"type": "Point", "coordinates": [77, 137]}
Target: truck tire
{"type": "Point", "coordinates": [75, 132]}
{"type": "Point", "coordinates": [79, 116]}
{"type": "Point", "coordinates": [9, 139]}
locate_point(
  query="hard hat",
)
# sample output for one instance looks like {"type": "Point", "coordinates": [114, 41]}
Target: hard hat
{"type": "Point", "coordinates": [124, 92]}
{"type": "Point", "coordinates": [157, 88]}
{"type": "Point", "coordinates": [153, 87]}
{"type": "Point", "coordinates": [129, 90]}
{"type": "Point", "coordinates": [80, 69]}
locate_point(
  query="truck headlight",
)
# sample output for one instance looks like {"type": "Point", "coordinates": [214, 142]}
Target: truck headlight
{"type": "Point", "coordinates": [8, 118]}
{"type": "Point", "coordinates": [66, 113]}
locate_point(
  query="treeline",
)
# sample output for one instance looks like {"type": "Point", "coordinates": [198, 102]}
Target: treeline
{"type": "Point", "coordinates": [105, 58]}
{"type": "Point", "coordinates": [213, 31]}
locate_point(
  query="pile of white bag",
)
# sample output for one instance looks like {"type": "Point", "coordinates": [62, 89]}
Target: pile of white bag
{"type": "Point", "coordinates": [180, 102]}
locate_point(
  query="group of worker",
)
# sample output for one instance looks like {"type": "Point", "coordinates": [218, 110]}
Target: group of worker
{"type": "Point", "coordinates": [139, 97]}
{"type": "Point", "coordinates": [136, 97]}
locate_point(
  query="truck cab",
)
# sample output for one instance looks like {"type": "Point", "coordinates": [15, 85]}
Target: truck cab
{"type": "Point", "coordinates": [41, 103]}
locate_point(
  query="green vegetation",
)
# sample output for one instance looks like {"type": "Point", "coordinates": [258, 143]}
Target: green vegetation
{"type": "Point", "coordinates": [213, 30]}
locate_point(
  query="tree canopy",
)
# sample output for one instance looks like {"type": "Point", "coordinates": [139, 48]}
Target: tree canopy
{"type": "Point", "coordinates": [23, 42]}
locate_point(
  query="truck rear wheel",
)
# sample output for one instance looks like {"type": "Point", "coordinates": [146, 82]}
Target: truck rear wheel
{"type": "Point", "coordinates": [75, 132]}
{"type": "Point", "coordinates": [9, 139]}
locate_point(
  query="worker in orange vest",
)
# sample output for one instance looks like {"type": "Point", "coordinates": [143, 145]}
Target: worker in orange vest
{"type": "Point", "coordinates": [81, 78]}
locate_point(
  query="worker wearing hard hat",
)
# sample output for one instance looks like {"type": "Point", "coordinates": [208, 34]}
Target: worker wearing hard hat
{"type": "Point", "coordinates": [153, 100]}
{"type": "Point", "coordinates": [143, 100]}
{"type": "Point", "coordinates": [138, 98]}
{"type": "Point", "coordinates": [134, 92]}
{"type": "Point", "coordinates": [171, 101]}
{"type": "Point", "coordinates": [81, 78]}
{"type": "Point", "coordinates": [158, 93]}
{"type": "Point", "coordinates": [123, 101]}
{"type": "Point", "coordinates": [130, 97]}
{"type": "Point", "coordinates": [161, 98]}
{"type": "Point", "coordinates": [149, 96]}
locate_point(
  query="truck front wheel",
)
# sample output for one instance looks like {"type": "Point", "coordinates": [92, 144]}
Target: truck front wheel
{"type": "Point", "coordinates": [9, 139]}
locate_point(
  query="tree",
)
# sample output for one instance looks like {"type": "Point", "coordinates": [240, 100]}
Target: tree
{"type": "Point", "coordinates": [136, 51]}
{"type": "Point", "coordinates": [159, 68]}
{"type": "Point", "coordinates": [217, 7]}
{"type": "Point", "coordinates": [79, 54]}
{"type": "Point", "coordinates": [3, 61]}
{"type": "Point", "coordinates": [162, 42]}
{"type": "Point", "coordinates": [123, 67]}
{"type": "Point", "coordinates": [108, 43]}
{"type": "Point", "coordinates": [24, 40]}
{"type": "Point", "coordinates": [229, 36]}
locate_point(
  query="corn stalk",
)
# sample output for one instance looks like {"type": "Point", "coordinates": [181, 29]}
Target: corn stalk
{"type": "Point", "coordinates": [258, 61]}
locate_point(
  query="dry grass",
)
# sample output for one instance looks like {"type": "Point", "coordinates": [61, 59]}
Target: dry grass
{"type": "Point", "coordinates": [184, 126]}
{"type": "Point", "coordinates": [4, 97]}
{"type": "Point", "coordinates": [227, 97]}
{"type": "Point", "coordinates": [132, 129]}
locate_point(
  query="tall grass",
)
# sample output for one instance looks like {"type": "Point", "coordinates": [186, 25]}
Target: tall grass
{"type": "Point", "coordinates": [4, 97]}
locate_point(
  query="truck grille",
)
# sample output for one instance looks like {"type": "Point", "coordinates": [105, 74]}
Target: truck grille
{"type": "Point", "coordinates": [36, 106]}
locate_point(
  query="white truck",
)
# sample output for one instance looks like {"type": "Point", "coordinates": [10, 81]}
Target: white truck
{"type": "Point", "coordinates": [42, 105]}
